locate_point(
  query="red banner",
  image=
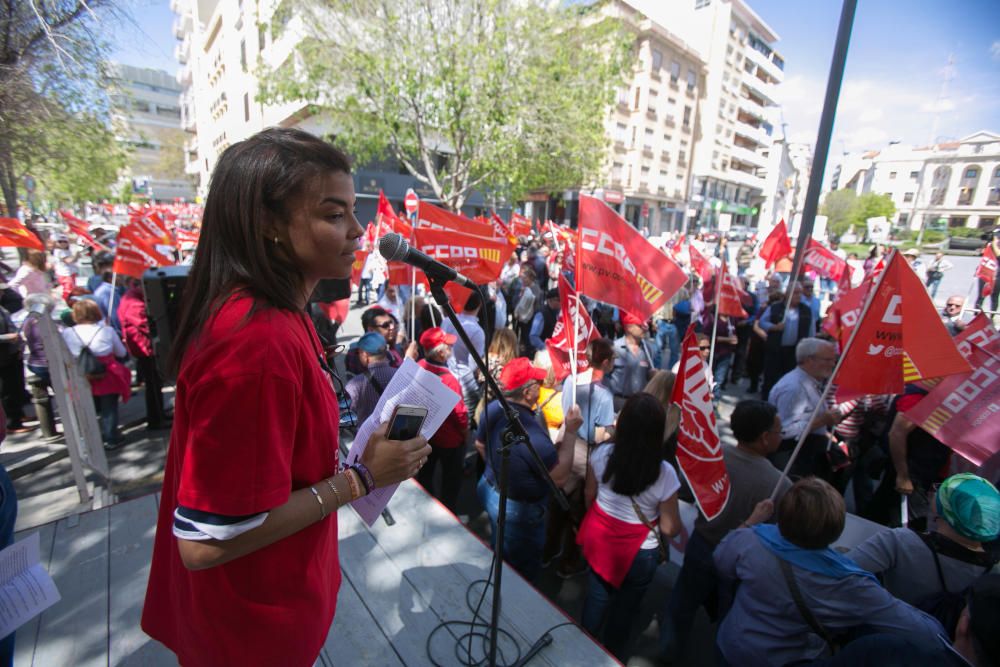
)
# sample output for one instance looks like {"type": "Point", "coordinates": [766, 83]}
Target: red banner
{"type": "Point", "coordinates": [843, 314]}
{"type": "Point", "coordinates": [823, 261]}
{"type": "Point", "coordinates": [478, 258]}
{"type": "Point", "coordinates": [432, 217]}
{"type": "Point", "coordinates": [187, 236]}
{"type": "Point", "coordinates": [135, 252]}
{"type": "Point", "coordinates": [732, 296]}
{"type": "Point", "coordinates": [501, 230]}
{"type": "Point", "coordinates": [615, 264]}
{"type": "Point", "coordinates": [979, 331]}
{"type": "Point", "coordinates": [777, 245]}
{"type": "Point", "coordinates": [987, 270]}
{"type": "Point", "coordinates": [81, 230]}
{"type": "Point", "coordinates": [15, 235]}
{"type": "Point", "coordinates": [900, 339]}
{"type": "Point", "coordinates": [699, 450]}
{"type": "Point", "coordinates": [961, 410]}
{"type": "Point", "coordinates": [520, 225]}
{"type": "Point", "coordinates": [699, 264]}
{"type": "Point", "coordinates": [152, 226]}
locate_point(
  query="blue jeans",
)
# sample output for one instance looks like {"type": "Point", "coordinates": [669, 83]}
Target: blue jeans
{"type": "Point", "coordinates": [524, 530]}
{"type": "Point", "coordinates": [722, 366]}
{"type": "Point", "coordinates": [107, 416]}
{"type": "Point", "coordinates": [667, 339]}
{"type": "Point", "coordinates": [615, 608]}
{"type": "Point", "coordinates": [932, 287]}
{"type": "Point", "coordinates": [8, 517]}
{"type": "Point", "coordinates": [364, 290]}
{"type": "Point", "coordinates": [696, 586]}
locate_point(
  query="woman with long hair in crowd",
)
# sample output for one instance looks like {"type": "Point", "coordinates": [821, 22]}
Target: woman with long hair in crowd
{"type": "Point", "coordinates": [631, 494]}
{"type": "Point", "coordinates": [245, 563]}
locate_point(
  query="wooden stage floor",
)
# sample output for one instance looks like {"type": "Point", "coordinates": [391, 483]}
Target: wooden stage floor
{"type": "Point", "coordinates": [399, 583]}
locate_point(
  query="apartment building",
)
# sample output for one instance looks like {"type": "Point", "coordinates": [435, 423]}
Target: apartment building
{"type": "Point", "coordinates": [148, 116]}
{"type": "Point", "coordinates": [653, 127]}
{"type": "Point", "coordinates": [953, 184]}
{"type": "Point", "coordinates": [744, 72]}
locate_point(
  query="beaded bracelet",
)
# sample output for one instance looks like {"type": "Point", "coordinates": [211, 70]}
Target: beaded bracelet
{"type": "Point", "coordinates": [353, 482]}
{"type": "Point", "coordinates": [322, 505]}
{"type": "Point", "coordinates": [336, 493]}
{"type": "Point", "coordinates": [365, 475]}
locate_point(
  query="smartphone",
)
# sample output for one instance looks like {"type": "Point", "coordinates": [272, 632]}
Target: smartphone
{"type": "Point", "coordinates": [406, 421]}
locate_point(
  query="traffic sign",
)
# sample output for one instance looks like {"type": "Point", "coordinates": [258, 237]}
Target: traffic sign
{"type": "Point", "coordinates": [411, 201]}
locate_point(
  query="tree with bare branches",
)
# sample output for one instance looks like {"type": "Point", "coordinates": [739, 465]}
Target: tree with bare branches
{"type": "Point", "coordinates": [501, 96]}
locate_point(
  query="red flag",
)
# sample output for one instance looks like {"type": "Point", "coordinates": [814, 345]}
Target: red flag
{"type": "Point", "coordinates": [699, 264]}
{"type": "Point", "coordinates": [476, 257]}
{"type": "Point", "coordinates": [152, 226]}
{"type": "Point", "coordinates": [520, 225]}
{"type": "Point", "coordinates": [187, 235]}
{"type": "Point", "coordinates": [81, 230]}
{"type": "Point", "coordinates": [843, 314]}
{"type": "Point", "coordinates": [732, 295]}
{"type": "Point", "coordinates": [675, 246]}
{"type": "Point", "coordinates": [823, 261]}
{"type": "Point", "coordinates": [501, 230]}
{"type": "Point", "coordinates": [777, 245]}
{"type": "Point", "coordinates": [359, 263]}
{"type": "Point", "coordinates": [960, 410]}
{"type": "Point", "coordinates": [699, 450]}
{"type": "Point", "coordinates": [15, 235]}
{"type": "Point", "coordinates": [135, 252]}
{"type": "Point", "coordinates": [560, 343]}
{"type": "Point", "coordinates": [432, 217]}
{"type": "Point", "coordinates": [979, 331]}
{"type": "Point", "coordinates": [615, 264]}
{"type": "Point", "coordinates": [386, 216]}
{"type": "Point", "coordinates": [899, 339]}
{"type": "Point", "coordinates": [987, 270]}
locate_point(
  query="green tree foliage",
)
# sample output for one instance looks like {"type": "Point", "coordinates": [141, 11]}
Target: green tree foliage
{"type": "Point", "coordinates": [843, 209]}
{"type": "Point", "coordinates": [496, 95]}
{"type": "Point", "coordinates": [53, 84]}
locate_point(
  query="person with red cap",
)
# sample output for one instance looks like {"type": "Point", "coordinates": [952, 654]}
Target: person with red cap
{"type": "Point", "coordinates": [448, 444]}
{"type": "Point", "coordinates": [528, 490]}
{"type": "Point", "coordinates": [636, 358]}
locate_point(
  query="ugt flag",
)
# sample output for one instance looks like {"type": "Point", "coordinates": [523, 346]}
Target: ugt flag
{"type": "Point", "coordinates": [960, 411]}
{"type": "Point", "coordinates": [615, 264]}
{"type": "Point", "coordinates": [899, 339]}
{"type": "Point", "coordinates": [573, 326]}
{"type": "Point", "coordinates": [699, 450]}
{"type": "Point", "coordinates": [987, 270]}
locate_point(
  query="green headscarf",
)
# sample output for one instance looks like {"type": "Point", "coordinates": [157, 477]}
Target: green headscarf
{"type": "Point", "coordinates": [971, 506]}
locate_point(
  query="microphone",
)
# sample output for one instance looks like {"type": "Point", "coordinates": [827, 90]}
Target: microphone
{"type": "Point", "coordinates": [395, 249]}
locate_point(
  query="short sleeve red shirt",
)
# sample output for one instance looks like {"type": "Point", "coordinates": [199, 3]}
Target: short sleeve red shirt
{"type": "Point", "coordinates": [255, 418]}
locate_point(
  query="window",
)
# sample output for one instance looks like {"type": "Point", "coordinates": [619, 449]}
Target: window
{"type": "Point", "coordinates": [892, 175]}
{"type": "Point", "coordinates": [623, 96]}
{"type": "Point", "coordinates": [140, 105]}
{"type": "Point", "coordinates": [657, 60]}
{"type": "Point", "coordinates": [698, 4]}
{"type": "Point", "coordinates": [687, 116]}
{"type": "Point", "coordinates": [243, 54]}
{"type": "Point", "coordinates": [914, 174]}
{"type": "Point", "coordinates": [621, 132]}
{"type": "Point", "coordinates": [246, 107]}
{"type": "Point", "coordinates": [692, 79]}
{"type": "Point", "coordinates": [967, 191]}
{"type": "Point", "coordinates": [168, 112]}
{"type": "Point", "coordinates": [634, 128]}
{"type": "Point", "coordinates": [907, 197]}
{"type": "Point", "coordinates": [616, 172]}
{"type": "Point", "coordinates": [681, 156]}
{"type": "Point", "coordinates": [635, 101]}
{"type": "Point", "coordinates": [675, 71]}
{"type": "Point", "coordinates": [972, 172]}
{"type": "Point", "coordinates": [261, 37]}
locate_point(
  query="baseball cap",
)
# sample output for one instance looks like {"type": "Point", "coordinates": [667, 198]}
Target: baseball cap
{"type": "Point", "coordinates": [371, 342]}
{"type": "Point", "coordinates": [628, 318]}
{"type": "Point", "coordinates": [912, 252]}
{"type": "Point", "coordinates": [518, 372]}
{"type": "Point", "coordinates": [435, 336]}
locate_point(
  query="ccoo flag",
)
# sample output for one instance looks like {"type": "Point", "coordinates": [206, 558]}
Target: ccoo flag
{"type": "Point", "coordinates": [699, 450]}
{"type": "Point", "coordinates": [899, 339]}
{"type": "Point", "coordinates": [615, 264]}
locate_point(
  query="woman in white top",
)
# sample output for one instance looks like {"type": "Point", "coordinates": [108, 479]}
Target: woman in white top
{"type": "Point", "coordinates": [631, 494]}
{"type": "Point", "coordinates": [31, 277]}
{"type": "Point", "coordinates": [116, 381]}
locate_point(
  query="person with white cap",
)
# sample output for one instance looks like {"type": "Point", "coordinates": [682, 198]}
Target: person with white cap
{"type": "Point", "coordinates": [65, 264]}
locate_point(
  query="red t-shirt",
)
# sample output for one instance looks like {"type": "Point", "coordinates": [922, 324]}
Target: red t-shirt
{"type": "Point", "coordinates": [255, 418]}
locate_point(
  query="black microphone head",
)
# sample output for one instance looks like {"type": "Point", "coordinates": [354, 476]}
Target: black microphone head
{"type": "Point", "coordinates": [393, 247]}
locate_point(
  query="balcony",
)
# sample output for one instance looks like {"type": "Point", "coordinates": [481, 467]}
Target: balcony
{"type": "Point", "coordinates": [752, 108]}
{"type": "Point", "coordinates": [620, 146]}
{"type": "Point", "coordinates": [755, 134]}
{"type": "Point", "coordinates": [184, 76]}
{"type": "Point", "coordinates": [765, 63]}
{"type": "Point", "coordinates": [743, 178]}
{"type": "Point", "coordinates": [747, 156]}
{"type": "Point", "coordinates": [182, 50]}
{"type": "Point", "coordinates": [765, 90]}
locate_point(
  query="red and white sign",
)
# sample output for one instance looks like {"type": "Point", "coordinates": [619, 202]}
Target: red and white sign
{"type": "Point", "coordinates": [987, 269]}
{"type": "Point", "coordinates": [411, 201]}
{"type": "Point", "coordinates": [615, 264]}
{"type": "Point", "coordinates": [980, 332]}
{"type": "Point", "coordinates": [699, 450]}
{"type": "Point", "coordinates": [571, 314]}
{"type": "Point", "coordinates": [476, 257]}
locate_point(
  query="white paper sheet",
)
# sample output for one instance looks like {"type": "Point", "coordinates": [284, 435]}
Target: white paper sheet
{"type": "Point", "coordinates": [26, 589]}
{"type": "Point", "coordinates": [411, 385]}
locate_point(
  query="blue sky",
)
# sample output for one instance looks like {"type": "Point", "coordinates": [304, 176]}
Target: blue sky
{"type": "Point", "coordinates": [899, 49]}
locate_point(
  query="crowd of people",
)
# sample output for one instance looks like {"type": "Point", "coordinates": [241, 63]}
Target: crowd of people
{"type": "Point", "coordinates": [763, 569]}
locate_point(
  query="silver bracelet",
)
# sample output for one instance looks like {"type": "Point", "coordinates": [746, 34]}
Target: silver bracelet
{"type": "Point", "coordinates": [322, 505]}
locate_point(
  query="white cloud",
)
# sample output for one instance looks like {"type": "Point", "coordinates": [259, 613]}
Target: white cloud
{"type": "Point", "coordinates": [995, 50]}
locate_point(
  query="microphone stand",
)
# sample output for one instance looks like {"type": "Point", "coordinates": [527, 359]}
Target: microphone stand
{"type": "Point", "coordinates": [512, 434]}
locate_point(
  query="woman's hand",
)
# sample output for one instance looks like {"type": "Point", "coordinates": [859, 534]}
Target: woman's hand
{"type": "Point", "coordinates": [761, 513]}
{"type": "Point", "coordinates": [392, 461]}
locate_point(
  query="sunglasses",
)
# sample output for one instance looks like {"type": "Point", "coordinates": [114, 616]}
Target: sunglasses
{"type": "Point", "coordinates": [953, 305]}
{"type": "Point", "coordinates": [704, 347]}
{"type": "Point", "coordinates": [385, 325]}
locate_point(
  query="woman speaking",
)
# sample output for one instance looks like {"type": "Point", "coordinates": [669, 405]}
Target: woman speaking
{"type": "Point", "coordinates": [245, 567]}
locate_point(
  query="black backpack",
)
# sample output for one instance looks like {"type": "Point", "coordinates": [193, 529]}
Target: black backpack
{"type": "Point", "coordinates": [92, 368]}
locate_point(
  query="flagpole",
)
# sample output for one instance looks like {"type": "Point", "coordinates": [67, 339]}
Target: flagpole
{"type": "Point", "coordinates": [715, 323]}
{"type": "Point", "coordinates": [840, 361]}
{"type": "Point", "coordinates": [574, 350]}
{"type": "Point", "coordinates": [111, 301]}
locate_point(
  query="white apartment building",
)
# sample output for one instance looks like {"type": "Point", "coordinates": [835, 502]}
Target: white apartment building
{"type": "Point", "coordinates": [744, 72]}
{"type": "Point", "coordinates": [653, 127]}
{"type": "Point", "coordinates": [149, 116]}
{"type": "Point", "coordinates": [953, 184]}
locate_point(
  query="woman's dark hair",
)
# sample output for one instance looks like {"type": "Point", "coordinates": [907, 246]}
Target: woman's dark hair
{"type": "Point", "coordinates": [248, 205]}
{"type": "Point", "coordinates": [634, 463]}
{"type": "Point", "coordinates": [752, 418]}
